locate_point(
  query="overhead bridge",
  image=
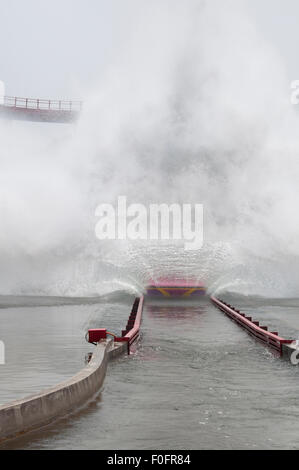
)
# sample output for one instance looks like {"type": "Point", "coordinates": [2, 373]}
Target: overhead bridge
{"type": "Point", "coordinates": [39, 110]}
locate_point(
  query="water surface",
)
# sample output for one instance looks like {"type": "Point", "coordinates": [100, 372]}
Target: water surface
{"type": "Point", "coordinates": [196, 381]}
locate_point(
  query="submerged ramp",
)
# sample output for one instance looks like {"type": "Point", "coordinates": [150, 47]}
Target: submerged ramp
{"type": "Point", "coordinates": [187, 375]}
{"type": "Point", "coordinates": [197, 381]}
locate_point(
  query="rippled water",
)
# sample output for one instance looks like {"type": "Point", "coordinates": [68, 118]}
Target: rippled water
{"type": "Point", "coordinates": [45, 339]}
{"type": "Point", "coordinates": [197, 381]}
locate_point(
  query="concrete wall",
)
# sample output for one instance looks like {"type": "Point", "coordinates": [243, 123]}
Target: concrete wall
{"type": "Point", "coordinates": [35, 411]}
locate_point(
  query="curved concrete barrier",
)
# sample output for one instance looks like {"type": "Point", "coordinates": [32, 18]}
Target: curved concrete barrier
{"type": "Point", "coordinates": [36, 411]}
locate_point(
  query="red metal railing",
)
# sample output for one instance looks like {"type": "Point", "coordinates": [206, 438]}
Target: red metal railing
{"type": "Point", "coordinates": [129, 335]}
{"type": "Point", "coordinates": [40, 104]}
{"type": "Point", "coordinates": [132, 332]}
{"type": "Point", "coordinates": [261, 333]}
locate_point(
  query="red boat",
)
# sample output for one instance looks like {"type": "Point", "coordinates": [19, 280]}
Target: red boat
{"type": "Point", "coordinates": [176, 288]}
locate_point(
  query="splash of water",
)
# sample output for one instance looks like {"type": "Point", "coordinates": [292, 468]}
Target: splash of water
{"type": "Point", "coordinates": [194, 109]}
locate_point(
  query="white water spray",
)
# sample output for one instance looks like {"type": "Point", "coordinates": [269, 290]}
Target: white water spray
{"type": "Point", "coordinates": [194, 109]}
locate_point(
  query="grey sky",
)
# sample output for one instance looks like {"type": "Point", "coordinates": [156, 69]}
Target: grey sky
{"type": "Point", "coordinates": [278, 21]}
{"type": "Point", "coordinates": [53, 49]}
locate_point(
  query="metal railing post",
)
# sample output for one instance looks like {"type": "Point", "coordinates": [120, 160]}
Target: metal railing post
{"type": "Point", "coordinates": [47, 105]}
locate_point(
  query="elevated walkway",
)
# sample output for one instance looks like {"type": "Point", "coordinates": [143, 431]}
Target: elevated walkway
{"type": "Point", "coordinates": [39, 110]}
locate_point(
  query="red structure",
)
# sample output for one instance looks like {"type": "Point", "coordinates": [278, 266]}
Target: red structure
{"type": "Point", "coordinates": [95, 336]}
{"type": "Point", "coordinates": [132, 332]}
{"type": "Point", "coordinates": [40, 110]}
{"type": "Point", "coordinates": [168, 288]}
{"type": "Point", "coordinates": [261, 333]}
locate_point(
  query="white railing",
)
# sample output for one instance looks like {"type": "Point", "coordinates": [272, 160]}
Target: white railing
{"type": "Point", "coordinates": [40, 104]}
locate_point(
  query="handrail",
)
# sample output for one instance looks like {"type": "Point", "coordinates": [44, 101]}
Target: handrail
{"type": "Point", "coordinates": [40, 104]}
{"type": "Point", "coordinates": [270, 339]}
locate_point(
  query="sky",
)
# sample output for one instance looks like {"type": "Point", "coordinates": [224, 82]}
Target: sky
{"type": "Point", "coordinates": [58, 48]}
